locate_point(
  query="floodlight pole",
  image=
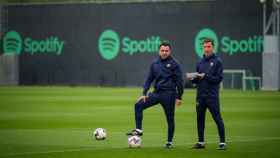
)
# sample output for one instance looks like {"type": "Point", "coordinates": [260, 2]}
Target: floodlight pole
{"type": "Point", "coordinates": [273, 21]}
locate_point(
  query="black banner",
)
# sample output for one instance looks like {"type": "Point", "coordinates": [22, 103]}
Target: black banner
{"type": "Point", "coordinates": [113, 44]}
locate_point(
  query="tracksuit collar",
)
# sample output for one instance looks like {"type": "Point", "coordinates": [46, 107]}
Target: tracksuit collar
{"type": "Point", "coordinates": [167, 59]}
{"type": "Point", "coordinates": [209, 57]}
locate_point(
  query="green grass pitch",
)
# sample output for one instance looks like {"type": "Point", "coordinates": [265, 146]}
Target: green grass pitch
{"type": "Point", "coordinates": [59, 121]}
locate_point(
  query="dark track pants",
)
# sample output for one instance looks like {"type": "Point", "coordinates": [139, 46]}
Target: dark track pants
{"type": "Point", "coordinates": [214, 108]}
{"type": "Point", "coordinates": [167, 100]}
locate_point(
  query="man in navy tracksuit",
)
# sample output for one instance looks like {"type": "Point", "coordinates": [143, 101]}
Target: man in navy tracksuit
{"type": "Point", "coordinates": [166, 74]}
{"type": "Point", "coordinates": [210, 75]}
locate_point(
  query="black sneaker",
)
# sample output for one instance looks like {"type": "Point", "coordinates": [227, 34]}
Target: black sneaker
{"type": "Point", "coordinates": [168, 145]}
{"type": "Point", "coordinates": [134, 133]}
{"type": "Point", "coordinates": [222, 146]}
{"type": "Point", "coordinates": [198, 146]}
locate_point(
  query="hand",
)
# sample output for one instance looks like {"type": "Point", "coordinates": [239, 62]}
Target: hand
{"type": "Point", "coordinates": [200, 75]}
{"type": "Point", "coordinates": [144, 98]}
{"type": "Point", "coordinates": [178, 102]}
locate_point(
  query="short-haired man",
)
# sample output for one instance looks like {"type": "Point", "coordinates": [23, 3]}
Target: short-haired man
{"type": "Point", "coordinates": [166, 74]}
{"type": "Point", "coordinates": [210, 75]}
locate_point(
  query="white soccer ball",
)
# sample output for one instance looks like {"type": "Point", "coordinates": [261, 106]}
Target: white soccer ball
{"type": "Point", "coordinates": [99, 134]}
{"type": "Point", "coordinates": [134, 141]}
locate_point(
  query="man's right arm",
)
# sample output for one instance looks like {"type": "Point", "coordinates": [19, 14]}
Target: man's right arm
{"type": "Point", "coordinates": [149, 80]}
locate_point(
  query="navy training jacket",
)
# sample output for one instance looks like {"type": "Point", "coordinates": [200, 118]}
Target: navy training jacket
{"type": "Point", "coordinates": [208, 87]}
{"type": "Point", "coordinates": [166, 75]}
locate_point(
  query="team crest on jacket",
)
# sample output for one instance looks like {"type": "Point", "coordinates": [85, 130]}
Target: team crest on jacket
{"type": "Point", "coordinates": [211, 64]}
{"type": "Point", "coordinates": [168, 65]}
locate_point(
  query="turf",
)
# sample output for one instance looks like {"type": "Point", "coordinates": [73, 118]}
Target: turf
{"type": "Point", "coordinates": [59, 121]}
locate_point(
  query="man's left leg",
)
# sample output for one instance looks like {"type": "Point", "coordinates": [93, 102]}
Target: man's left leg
{"type": "Point", "coordinates": [214, 108]}
{"type": "Point", "coordinates": [168, 103]}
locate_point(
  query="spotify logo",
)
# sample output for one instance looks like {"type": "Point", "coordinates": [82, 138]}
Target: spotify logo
{"type": "Point", "coordinates": [12, 43]}
{"type": "Point", "coordinates": [228, 45]}
{"type": "Point", "coordinates": [109, 44]}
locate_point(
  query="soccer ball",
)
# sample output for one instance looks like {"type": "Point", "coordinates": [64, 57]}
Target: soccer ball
{"type": "Point", "coordinates": [99, 134]}
{"type": "Point", "coordinates": [134, 142]}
